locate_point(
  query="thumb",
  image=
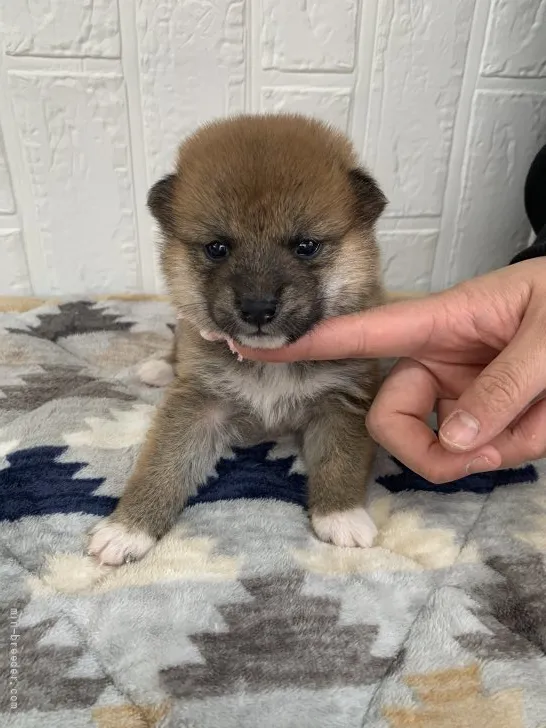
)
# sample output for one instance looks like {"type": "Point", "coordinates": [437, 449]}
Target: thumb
{"type": "Point", "coordinates": [393, 330]}
{"type": "Point", "coordinates": [501, 393]}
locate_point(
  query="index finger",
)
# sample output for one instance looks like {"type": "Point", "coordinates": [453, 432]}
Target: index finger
{"type": "Point", "coordinates": [393, 330]}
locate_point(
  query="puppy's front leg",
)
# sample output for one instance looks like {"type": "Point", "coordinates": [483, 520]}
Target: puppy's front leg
{"type": "Point", "coordinates": [339, 453]}
{"type": "Point", "coordinates": [188, 435]}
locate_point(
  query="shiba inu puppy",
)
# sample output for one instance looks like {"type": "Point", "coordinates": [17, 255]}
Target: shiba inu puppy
{"type": "Point", "coordinates": [267, 229]}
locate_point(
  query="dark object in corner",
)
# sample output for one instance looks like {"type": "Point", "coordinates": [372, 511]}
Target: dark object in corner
{"type": "Point", "coordinates": [535, 206]}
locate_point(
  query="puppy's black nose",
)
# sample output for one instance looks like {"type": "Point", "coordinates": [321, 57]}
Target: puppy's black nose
{"type": "Point", "coordinates": [258, 310]}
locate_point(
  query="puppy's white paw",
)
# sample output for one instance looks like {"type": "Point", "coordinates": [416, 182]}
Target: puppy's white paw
{"type": "Point", "coordinates": [156, 373]}
{"type": "Point", "coordinates": [112, 543]}
{"type": "Point", "coordinates": [345, 528]}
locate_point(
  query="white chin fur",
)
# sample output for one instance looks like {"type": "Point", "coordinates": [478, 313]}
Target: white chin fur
{"type": "Point", "coordinates": [345, 528]}
{"type": "Point", "coordinates": [156, 373]}
{"type": "Point", "coordinates": [112, 543]}
{"type": "Point", "coordinates": [262, 342]}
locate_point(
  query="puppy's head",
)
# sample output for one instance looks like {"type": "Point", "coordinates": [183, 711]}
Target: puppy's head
{"type": "Point", "coordinates": [267, 228]}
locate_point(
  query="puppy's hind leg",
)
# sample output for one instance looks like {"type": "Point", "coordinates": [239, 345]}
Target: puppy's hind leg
{"type": "Point", "coordinates": [158, 372]}
{"type": "Point", "coordinates": [189, 434]}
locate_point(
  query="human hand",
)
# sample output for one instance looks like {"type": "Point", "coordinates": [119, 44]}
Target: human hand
{"type": "Point", "coordinates": [475, 354]}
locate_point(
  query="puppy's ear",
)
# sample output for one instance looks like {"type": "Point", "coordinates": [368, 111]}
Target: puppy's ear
{"type": "Point", "coordinates": [160, 202]}
{"type": "Point", "coordinates": [370, 201]}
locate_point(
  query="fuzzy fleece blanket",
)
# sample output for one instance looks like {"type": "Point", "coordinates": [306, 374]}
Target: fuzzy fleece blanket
{"type": "Point", "coordinates": [241, 618]}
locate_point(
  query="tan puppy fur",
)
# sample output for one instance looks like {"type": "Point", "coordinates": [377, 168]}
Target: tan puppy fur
{"type": "Point", "coordinates": [268, 229]}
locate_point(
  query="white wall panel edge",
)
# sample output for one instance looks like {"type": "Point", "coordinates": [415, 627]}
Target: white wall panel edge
{"type": "Point", "coordinates": [149, 268]}
{"type": "Point", "coordinates": [30, 234]}
{"type": "Point", "coordinates": [444, 270]}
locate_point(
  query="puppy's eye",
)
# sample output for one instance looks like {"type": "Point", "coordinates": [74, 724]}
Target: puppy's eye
{"type": "Point", "coordinates": [307, 248]}
{"type": "Point", "coordinates": [217, 250]}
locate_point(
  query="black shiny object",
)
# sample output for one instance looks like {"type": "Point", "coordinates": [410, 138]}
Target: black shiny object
{"type": "Point", "coordinates": [307, 248]}
{"type": "Point", "coordinates": [217, 250]}
{"type": "Point", "coordinates": [258, 311]}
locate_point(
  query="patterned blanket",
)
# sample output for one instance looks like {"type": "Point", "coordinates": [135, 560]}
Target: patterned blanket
{"type": "Point", "coordinates": [240, 618]}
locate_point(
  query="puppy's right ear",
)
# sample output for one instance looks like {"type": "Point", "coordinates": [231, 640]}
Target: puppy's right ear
{"type": "Point", "coordinates": [369, 198]}
{"type": "Point", "coordinates": [160, 202]}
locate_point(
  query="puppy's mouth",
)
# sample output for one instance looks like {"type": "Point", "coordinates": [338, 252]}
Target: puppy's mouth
{"type": "Point", "coordinates": [259, 340]}
{"type": "Point", "coordinates": [287, 328]}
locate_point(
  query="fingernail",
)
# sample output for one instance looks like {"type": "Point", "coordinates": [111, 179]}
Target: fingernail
{"type": "Point", "coordinates": [479, 465]}
{"type": "Point", "coordinates": [460, 429]}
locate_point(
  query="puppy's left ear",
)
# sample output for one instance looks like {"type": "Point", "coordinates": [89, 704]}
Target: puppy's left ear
{"type": "Point", "coordinates": [370, 201]}
{"type": "Point", "coordinates": [160, 202]}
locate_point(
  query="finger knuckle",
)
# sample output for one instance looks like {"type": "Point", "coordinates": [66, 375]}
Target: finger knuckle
{"type": "Point", "coordinates": [500, 387]}
{"type": "Point", "coordinates": [535, 448]}
{"type": "Point", "coordinates": [374, 423]}
{"type": "Point", "coordinates": [435, 475]}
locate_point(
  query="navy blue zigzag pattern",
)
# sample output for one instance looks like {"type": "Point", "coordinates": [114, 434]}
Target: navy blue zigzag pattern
{"type": "Point", "coordinates": [251, 475]}
{"type": "Point", "coordinates": [406, 479]}
{"type": "Point", "coordinates": [36, 483]}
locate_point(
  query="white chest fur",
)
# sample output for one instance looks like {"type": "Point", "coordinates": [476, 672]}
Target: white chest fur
{"type": "Point", "coordinates": [276, 393]}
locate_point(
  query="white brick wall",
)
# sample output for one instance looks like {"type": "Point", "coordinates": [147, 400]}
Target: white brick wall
{"type": "Point", "coordinates": [446, 103]}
